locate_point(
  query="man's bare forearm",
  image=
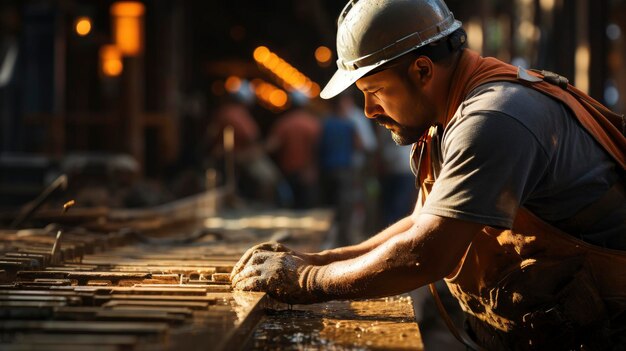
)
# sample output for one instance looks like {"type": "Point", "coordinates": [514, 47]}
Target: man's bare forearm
{"type": "Point", "coordinates": [349, 252]}
{"type": "Point", "coordinates": [420, 255]}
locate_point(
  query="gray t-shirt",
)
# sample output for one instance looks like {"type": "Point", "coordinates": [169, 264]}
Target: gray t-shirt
{"type": "Point", "coordinates": [509, 146]}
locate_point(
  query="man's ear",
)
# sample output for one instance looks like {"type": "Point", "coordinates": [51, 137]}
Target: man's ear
{"type": "Point", "coordinates": [422, 69]}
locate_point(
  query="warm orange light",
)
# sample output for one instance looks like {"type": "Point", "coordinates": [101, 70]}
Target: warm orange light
{"type": "Point", "coordinates": [128, 26]}
{"type": "Point", "coordinates": [112, 68]}
{"type": "Point", "coordinates": [233, 84]}
{"type": "Point", "coordinates": [261, 54]}
{"type": "Point", "coordinates": [582, 60]}
{"type": "Point", "coordinates": [314, 91]}
{"type": "Point", "coordinates": [265, 95]}
{"type": "Point", "coordinates": [272, 61]}
{"type": "Point", "coordinates": [288, 76]}
{"type": "Point", "coordinates": [111, 61]}
{"type": "Point", "coordinates": [306, 87]}
{"type": "Point", "coordinates": [263, 89]}
{"type": "Point", "coordinates": [299, 80]}
{"type": "Point", "coordinates": [127, 9]}
{"type": "Point", "coordinates": [290, 72]}
{"type": "Point", "coordinates": [323, 55]}
{"type": "Point", "coordinates": [278, 98]}
{"type": "Point", "coordinates": [474, 29]}
{"type": "Point", "coordinates": [269, 95]}
{"type": "Point", "coordinates": [281, 68]}
{"type": "Point", "coordinates": [83, 26]}
{"type": "Point", "coordinates": [258, 86]}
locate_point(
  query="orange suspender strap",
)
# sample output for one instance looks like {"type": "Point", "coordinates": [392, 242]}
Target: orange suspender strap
{"type": "Point", "coordinates": [605, 126]}
{"type": "Point", "coordinates": [599, 121]}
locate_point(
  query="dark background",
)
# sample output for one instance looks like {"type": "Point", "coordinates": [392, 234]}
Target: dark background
{"type": "Point", "coordinates": [55, 102]}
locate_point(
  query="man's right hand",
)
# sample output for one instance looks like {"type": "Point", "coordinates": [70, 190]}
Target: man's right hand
{"type": "Point", "coordinates": [315, 259]}
{"type": "Point", "coordinates": [267, 246]}
{"type": "Point", "coordinates": [282, 275]}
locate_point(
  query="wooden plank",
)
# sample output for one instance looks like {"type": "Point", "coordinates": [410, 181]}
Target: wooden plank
{"type": "Point", "coordinates": [28, 262]}
{"type": "Point", "coordinates": [377, 324]}
{"type": "Point", "coordinates": [207, 271]}
{"type": "Point", "coordinates": [11, 310]}
{"type": "Point", "coordinates": [81, 327]}
{"type": "Point", "coordinates": [178, 286]}
{"type": "Point", "coordinates": [43, 298]}
{"type": "Point", "coordinates": [148, 315]}
{"type": "Point", "coordinates": [44, 283]}
{"type": "Point", "coordinates": [221, 277]}
{"type": "Point", "coordinates": [11, 265]}
{"type": "Point", "coordinates": [183, 287]}
{"type": "Point", "coordinates": [83, 275]}
{"type": "Point", "coordinates": [30, 346]}
{"type": "Point", "coordinates": [48, 292]}
{"type": "Point", "coordinates": [55, 282]}
{"type": "Point", "coordinates": [161, 290]}
{"type": "Point", "coordinates": [76, 339]}
{"type": "Point", "coordinates": [31, 304]}
{"type": "Point", "coordinates": [99, 314]}
{"type": "Point", "coordinates": [185, 311]}
{"type": "Point", "coordinates": [193, 305]}
{"type": "Point", "coordinates": [42, 259]}
{"type": "Point", "coordinates": [105, 298]}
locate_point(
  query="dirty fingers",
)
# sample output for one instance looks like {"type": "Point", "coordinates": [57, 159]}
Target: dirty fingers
{"type": "Point", "coordinates": [276, 273]}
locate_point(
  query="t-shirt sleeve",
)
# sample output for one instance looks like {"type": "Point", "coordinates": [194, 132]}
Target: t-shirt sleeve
{"type": "Point", "coordinates": [491, 162]}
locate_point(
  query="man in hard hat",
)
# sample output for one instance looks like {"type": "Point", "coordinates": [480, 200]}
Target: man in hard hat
{"type": "Point", "coordinates": [521, 206]}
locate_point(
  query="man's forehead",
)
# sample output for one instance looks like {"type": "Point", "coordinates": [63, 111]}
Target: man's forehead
{"type": "Point", "coordinates": [372, 81]}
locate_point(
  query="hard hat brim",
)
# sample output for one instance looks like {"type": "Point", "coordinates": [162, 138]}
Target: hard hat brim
{"type": "Point", "coordinates": [342, 79]}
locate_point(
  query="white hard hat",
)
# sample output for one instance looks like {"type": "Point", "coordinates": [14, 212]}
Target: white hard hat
{"type": "Point", "coordinates": [373, 32]}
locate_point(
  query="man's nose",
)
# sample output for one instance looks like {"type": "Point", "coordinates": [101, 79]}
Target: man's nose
{"type": "Point", "coordinates": [371, 108]}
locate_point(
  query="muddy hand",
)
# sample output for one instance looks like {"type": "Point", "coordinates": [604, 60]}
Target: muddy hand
{"type": "Point", "coordinates": [264, 247]}
{"type": "Point", "coordinates": [277, 273]}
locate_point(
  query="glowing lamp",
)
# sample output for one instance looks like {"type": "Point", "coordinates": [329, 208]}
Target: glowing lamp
{"type": "Point", "coordinates": [261, 54]}
{"type": "Point", "coordinates": [314, 91]}
{"type": "Point", "coordinates": [111, 61]}
{"type": "Point", "coordinates": [323, 55]}
{"type": "Point", "coordinates": [128, 26]}
{"type": "Point", "coordinates": [232, 84]}
{"type": "Point", "coordinates": [278, 98]}
{"type": "Point", "coordinates": [82, 26]}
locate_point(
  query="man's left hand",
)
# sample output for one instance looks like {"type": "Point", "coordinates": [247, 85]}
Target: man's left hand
{"type": "Point", "coordinates": [280, 274]}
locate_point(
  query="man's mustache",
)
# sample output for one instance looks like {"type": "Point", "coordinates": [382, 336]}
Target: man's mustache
{"type": "Point", "coordinates": [384, 120]}
{"type": "Point", "coordinates": [401, 134]}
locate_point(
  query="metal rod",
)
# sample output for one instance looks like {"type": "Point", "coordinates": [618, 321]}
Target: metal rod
{"type": "Point", "coordinates": [31, 207]}
{"type": "Point", "coordinates": [229, 156]}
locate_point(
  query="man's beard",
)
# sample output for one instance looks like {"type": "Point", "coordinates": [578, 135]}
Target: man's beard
{"type": "Point", "coordinates": [403, 140]}
{"type": "Point", "coordinates": [402, 135]}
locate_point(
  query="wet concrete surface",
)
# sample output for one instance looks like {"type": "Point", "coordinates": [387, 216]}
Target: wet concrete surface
{"type": "Point", "coordinates": [379, 324]}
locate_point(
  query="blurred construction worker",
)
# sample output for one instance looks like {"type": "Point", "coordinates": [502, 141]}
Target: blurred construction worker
{"type": "Point", "coordinates": [339, 142]}
{"type": "Point", "coordinates": [293, 140]}
{"type": "Point", "coordinates": [257, 176]}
